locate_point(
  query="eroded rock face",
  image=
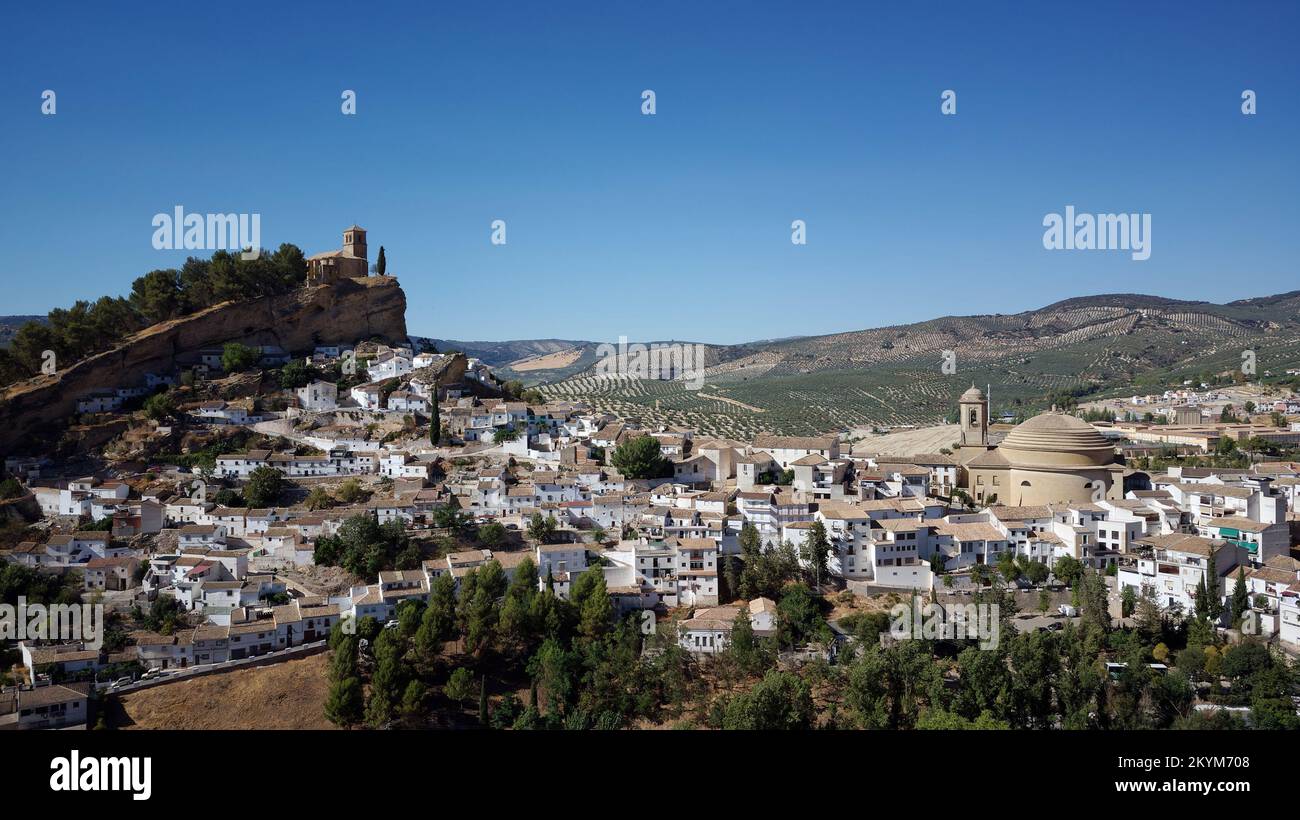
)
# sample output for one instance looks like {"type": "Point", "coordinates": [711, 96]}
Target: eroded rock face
{"type": "Point", "coordinates": [343, 312]}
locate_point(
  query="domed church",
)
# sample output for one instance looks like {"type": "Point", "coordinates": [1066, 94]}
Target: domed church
{"type": "Point", "coordinates": [1051, 458]}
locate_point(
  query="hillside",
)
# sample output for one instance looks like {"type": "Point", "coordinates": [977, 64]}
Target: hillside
{"type": "Point", "coordinates": [346, 311]}
{"type": "Point", "coordinates": [531, 361]}
{"type": "Point", "coordinates": [497, 354]}
{"type": "Point", "coordinates": [288, 695]}
{"type": "Point", "coordinates": [891, 376]}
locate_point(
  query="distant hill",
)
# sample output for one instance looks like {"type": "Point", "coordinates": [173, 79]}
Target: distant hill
{"type": "Point", "coordinates": [891, 376]}
{"type": "Point", "coordinates": [497, 354]}
{"type": "Point", "coordinates": [9, 326]}
{"type": "Point", "coordinates": [532, 361]}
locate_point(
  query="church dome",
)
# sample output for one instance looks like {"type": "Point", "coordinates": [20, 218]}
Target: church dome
{"type": "Point", "coordinates": [1056, 440]}
{"type": "Point", "coordinates": [973, 394]}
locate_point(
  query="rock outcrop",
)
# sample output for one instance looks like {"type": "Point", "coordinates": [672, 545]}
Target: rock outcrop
{"type": "Point", "coordinates": [343, 312]}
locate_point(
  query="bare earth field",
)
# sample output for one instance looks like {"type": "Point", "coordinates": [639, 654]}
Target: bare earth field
{"type": "Point", "coordinates": [907, 442]}
{"type": "Point", "coordinates": [550, 361]}
{"type": "Point", "coordinates": [288, 695]}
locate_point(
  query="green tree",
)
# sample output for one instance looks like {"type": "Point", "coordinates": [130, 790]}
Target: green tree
{"type": "Point", "coordinates": [480, 613]}
{"type": "Point", "coordinates": [815, 552]}
{"type": "Point", "coordinates": [460, 686]}
{"type": "Point", "coordinates": [1036, 572]}
{"type": "Point", "coordinates": [1148, 618]}
{"type": "Point", "coordinates": [381, 265]}
{"type": "Point", "coordinates": [799, 619]}
{"type": "Point", "coordinates": [435, 421]}
{"type": "Point", "coordinates": [641, 457]}
{"type": "Point", "coordinates": [540, 529]}
{"type": "Point", "coordinates": [504, 434]}
{"type": "Point", "coordinates": [387, 683]}
{"type": "Point", "coordinates": [345, 704]}
{"type": "Point", "coordinates": [318, 499]}
{"type": "Point", "coordinates": [156, 296]}
{"type": "Point", "coordinates": [264, 487]}
{"type": "Point", "coordinates": [1008, 568]}
{"type": "Point", "coordinates": [351, 491]}
{"type": "Point", "coordinates": [1067, 570]}
{"type": "Point", "coordinates": [413, 697]}
{"type": "Point", "coordinates": [780, 701]}
{"type": "Point", "coordinates": [518, 624]}
{"type": "Point", "coordinates": [295, 374]}
{"type": "Point", "coordinates": [492, 534]}
{"type": "Point", "coordinates": [160, 406]}
{"type": "Point", "coordinates": [590, 598]}
{"type": "Point", "coordinates": [555, 673]}
{"type": "Point", "coordinates": [1240, 601]}
{"type": "Point", "coordinates": [1128, 601]}
{"type": "Point", "coordinates": [1094, 606]}
{"type": "Point", "coordinates": [438, 624]}
{"type": "Point", "coordinates": [236, 357]}
{"type": "Point", "coordinates": [746, 649]}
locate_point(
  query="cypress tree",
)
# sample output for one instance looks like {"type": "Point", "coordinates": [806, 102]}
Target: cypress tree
{"type": "Point", "coordinates": [382, 264]}
{"type": "Point", "coordinates": [1240, 599]}
{"type": "Point", "coordinates": [435, 424]}
{"type": "Point", "coordinates": [1213, 603]}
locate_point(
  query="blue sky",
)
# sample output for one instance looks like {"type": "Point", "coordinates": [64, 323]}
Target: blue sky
{"type": "Point", "coordinates": [676, 225]}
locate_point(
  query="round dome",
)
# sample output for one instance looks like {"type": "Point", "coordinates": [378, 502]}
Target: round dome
{"type": "Point", "coordinates": [1056, 440]}
{"type": "Point", "coordinates": [973, 394]}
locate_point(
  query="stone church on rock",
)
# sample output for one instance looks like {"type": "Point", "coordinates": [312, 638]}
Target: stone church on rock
{"type": "Point", "coordinates": [350, 262]}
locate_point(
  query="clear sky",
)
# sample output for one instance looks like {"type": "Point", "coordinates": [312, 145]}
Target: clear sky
{"type": "Point", "coordinates": [675, 225]}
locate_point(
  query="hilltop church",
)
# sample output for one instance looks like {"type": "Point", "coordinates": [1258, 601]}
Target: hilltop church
{"type": "Point", "coordinates": [1051, 458]}
{"type": "Point", "coordinates": [348, 263]}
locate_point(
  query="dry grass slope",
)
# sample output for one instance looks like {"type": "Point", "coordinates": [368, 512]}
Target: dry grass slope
{"type": "Point", "coordinates": [288, 695]}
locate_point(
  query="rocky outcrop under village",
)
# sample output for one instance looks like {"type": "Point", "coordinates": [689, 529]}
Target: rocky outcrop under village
{"type": "Point", "coordinates": [343, 312]}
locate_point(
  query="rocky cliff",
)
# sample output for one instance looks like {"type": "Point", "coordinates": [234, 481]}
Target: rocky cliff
{"type": "Point", "coordinates": [344, 312]}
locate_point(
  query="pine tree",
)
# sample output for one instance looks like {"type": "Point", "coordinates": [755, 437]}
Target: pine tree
{"type": "Point", "coordinates": [345, 705]}
{"type": "Point", "coordinates": [382, 264]}
{"type": "Point", "coordinates": [482, 701]}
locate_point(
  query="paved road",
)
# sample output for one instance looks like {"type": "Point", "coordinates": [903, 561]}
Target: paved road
{"type": "Point", "coordinates": [175, 675]}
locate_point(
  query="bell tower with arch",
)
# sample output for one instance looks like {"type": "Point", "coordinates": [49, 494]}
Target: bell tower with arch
{"type": "Point", "coordinates": [974, 411]}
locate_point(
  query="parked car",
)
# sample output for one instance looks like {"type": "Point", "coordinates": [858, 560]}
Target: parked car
{"type": "Point", "coordinates": [1067, 610]}
{"type": "Point", "coordinates": [127, 681]}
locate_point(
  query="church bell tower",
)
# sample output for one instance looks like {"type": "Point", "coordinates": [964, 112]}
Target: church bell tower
{"type": "Point", "coordinates": [974, 410]}
{"type": "Point", "coordinates": [354, 242]}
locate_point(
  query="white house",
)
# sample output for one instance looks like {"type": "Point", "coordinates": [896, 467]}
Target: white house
{"type": "Point", "coordinates": [319, 396]}
{"type": "Point", "coordinates": [403, 401]}
{"type": "Point", "coordinates": [389, 365]}
{"type": "Point", "coordinates": [1172, 567]}
{"type": "Point", "coordinates": [99, 401]}
{"type": "Point", "coordinates": [367, 396]}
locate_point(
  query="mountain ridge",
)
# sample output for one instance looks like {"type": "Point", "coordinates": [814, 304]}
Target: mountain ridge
{"type": "Point", "coordinates": [896, 374]}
